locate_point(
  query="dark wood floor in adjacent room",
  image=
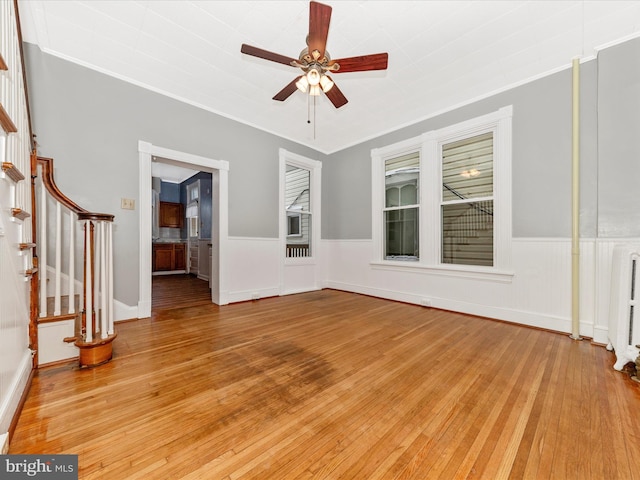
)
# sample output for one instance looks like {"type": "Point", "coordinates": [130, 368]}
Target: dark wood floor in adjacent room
{"type": "Point", "coordinates": [330, 385]}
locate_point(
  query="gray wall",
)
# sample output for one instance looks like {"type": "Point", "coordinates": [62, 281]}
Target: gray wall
{"type": "Point", "coordinates": [619, 141]}
{"type": "Point", "coordinates": [541, 199]}
{"type": "Point", "coordinates": [90, 123]}
{"type": "Point", "coordinates": [541, 161]}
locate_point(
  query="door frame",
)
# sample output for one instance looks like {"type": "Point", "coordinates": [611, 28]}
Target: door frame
{"type": "Point", "coordinates": [219, 211]}
{"type": "Point", "coordinates": [303, 274]}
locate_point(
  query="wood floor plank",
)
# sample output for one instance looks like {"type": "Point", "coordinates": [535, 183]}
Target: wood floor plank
{"type": "Point", "coordinates": [327, 385]}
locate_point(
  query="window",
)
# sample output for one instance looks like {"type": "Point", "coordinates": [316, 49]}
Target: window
{"type": "Point", "coordinates": [467, 201]}
{"type": "Point", "coordinates": [443, 200]}
{"type": "Point", "coordinates": [300, 203]}
{"type": "Point", "coordinates": [401, 211]}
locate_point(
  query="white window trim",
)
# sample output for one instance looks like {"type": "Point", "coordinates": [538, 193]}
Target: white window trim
{"type": "Point", "coordinates": [429, 146]}
{"type": "Point", "coordinates": [297, 215]}
{"type": "Point", "coordinates": [314, 167]}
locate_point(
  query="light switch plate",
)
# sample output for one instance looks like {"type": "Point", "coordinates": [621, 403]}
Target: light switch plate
{"type": "Point", "coordinates": [127, 203]}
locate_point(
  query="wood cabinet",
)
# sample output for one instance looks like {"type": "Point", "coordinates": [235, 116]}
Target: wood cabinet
{"type": "Point", "coordinates": [179, 256]}
{"type": "Point", "coordinates": [168, 256]}
{"type": "Point", "coordinates": [171, 215]}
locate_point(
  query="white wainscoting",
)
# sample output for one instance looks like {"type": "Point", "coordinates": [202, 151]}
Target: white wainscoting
{"type": "Point", "coordinates": [538, 295]}
{"type": "Point", "coordinates": [14, 384]}
{"type": "Point", "coordinates": [252, 268]}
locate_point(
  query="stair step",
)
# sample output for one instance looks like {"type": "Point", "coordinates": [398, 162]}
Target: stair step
{"type": "Point", "coordinates": [10, 170]}
{"type": "Point", "coordinates": [64, 309]}
{"type": "Point", "coordinates": [5, 121]}
{"type": "Point", "coordinates": [19, 213]}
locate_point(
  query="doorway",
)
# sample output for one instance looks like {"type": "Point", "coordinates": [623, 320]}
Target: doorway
{"type": "Point", "coordinates": [219, 218]}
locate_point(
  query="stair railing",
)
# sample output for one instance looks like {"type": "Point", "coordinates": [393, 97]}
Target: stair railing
{"type": "Point", "coordinates": [95, 250]}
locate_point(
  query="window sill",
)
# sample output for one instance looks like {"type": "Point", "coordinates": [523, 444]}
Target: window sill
{"type": "Point", "coordinates": [293, 261]}
{"type": "Point", "coordinates": [460, 271]}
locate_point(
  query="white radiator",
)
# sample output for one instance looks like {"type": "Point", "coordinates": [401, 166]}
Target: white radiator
{"type": "Point", "coordinates": [624, 316]}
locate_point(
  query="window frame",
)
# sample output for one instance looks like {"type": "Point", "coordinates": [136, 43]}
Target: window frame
{"type": "Point", "coordinates": [400, 207]}
{"type": "Point", "coordinates": [429, 147]}
{"type": "Point", "coordinates": [314, 167]}
{"type": "Point", "coordinates": [298, 216]}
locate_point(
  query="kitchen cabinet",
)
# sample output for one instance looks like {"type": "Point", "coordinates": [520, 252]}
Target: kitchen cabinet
{"type": "Point", "coordinates": [168, 257]}
{"type": "Point", "coordinates": [171, 215]}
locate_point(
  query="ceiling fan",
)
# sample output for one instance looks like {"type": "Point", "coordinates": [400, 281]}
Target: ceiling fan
{"type": "Point", "coordinates": [315, 61]}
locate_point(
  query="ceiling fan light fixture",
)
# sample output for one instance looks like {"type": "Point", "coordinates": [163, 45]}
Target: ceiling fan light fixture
{"type": "Point", "coordinates": [313, 76]}
{"type": "Point", "coordinates": [314, 90]}
{"type": "Point", "coordinates": [326, 83]}
{"type": "Point", "coordinates": [302, 84]}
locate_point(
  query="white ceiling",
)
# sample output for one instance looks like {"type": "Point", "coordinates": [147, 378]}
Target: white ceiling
{"type": "Point", "coordinates": [168, 171]}
{"type": "Point", "coordinates": [441, 53]}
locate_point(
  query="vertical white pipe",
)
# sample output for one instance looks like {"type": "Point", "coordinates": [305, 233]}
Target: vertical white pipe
{"type": "Point", "coordinates": [42, 265]}
{"type": "Point", "coordinates": [575, 204]}
{"type": "Point", "coordinates": [88, 287]}
{"type": "Point", "coordinates": [72, 263]}
{"type": "Point", "coordinates": [58, 260]}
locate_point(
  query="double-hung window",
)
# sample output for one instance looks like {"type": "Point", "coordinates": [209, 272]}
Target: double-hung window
{"type": "Point", "coordinates": [300, 203]}
{"type": "Point", "coordinates": [467, 201]}
{"type": "Point", "coordinates": [443, 200]}
{"type": "Point", "coordinates": [298, 206]}
{"type": "Point", "coordinates": [402, 207]}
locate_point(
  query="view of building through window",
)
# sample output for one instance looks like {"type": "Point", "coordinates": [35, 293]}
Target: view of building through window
{"type": "Point", "coordinates": [298, 207]}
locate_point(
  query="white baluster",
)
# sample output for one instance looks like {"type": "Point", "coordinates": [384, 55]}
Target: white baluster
{"type": "Point", "coordinates": [88, 285]}
{"type": "Point", "coordinates": [97, 274]}
{"type": "Point", "coordinates": [72, 263]}
{"type": "Point", "coordinates": [58, 260]}
{"type": "Point", "coordinates": [42, 251]}
{"type": "Point", "coordinates": [103, 283]}
{"type": "Point", "coordinates": [110, 276]}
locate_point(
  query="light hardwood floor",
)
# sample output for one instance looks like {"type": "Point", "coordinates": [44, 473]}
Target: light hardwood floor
{"type": "Point", "coordinates": [330, 385]}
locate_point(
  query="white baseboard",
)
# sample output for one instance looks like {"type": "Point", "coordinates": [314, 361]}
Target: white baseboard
{"type": "Point", "coordinates": [17, 386]}
{"type": "Point", "coordinates": [245, 295]}
{"type": "Point", "coordinates": [122, 311]}
{"type": "Point", "coordinates": [532, 319]}
{"type": "Point", "coordinates": [601, 334]}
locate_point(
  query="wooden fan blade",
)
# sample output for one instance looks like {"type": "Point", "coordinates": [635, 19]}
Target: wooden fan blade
{"type": "Point", "coordinates": [265, 54]}
{"type": "Point", "coordinates": [377, 61]}
{"type": "Point", "coordinates": [336, 96]}
{"type": "Point", "coordinates": [319, 19]}
{"type": "Point", "coordinates": [286, 92]}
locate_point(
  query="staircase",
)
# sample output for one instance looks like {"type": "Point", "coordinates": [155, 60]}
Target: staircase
{"type": "Point", "coordinates": [72, 243]}
{"type": "Point", "coordinates": [50, 248]}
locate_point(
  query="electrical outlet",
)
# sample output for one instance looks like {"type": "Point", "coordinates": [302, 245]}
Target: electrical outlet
{"type": "Point", "coordinates": [425, 302]}
{"type": "Point", "coordinates": [127, 204]}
